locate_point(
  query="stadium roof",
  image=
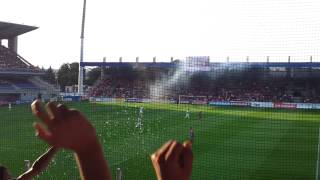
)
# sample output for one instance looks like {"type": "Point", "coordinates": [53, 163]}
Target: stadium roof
{"type": "Point", "coordinates": [232, 64]}
{"type": "Point", "coordinates": [10, 30]}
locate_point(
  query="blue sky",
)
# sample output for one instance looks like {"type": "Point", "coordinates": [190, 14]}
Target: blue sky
{"type": "Point", "coordinates": [165, 28]}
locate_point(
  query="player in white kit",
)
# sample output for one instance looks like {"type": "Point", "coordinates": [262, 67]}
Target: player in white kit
{"type": "Point", "coordinates": [139, 120]}
{"type": "Point", "coordinates": [187, 116]}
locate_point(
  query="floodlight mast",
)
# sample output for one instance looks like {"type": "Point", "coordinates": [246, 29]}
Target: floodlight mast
{"type": "Point", "coordinates": [80, 78]}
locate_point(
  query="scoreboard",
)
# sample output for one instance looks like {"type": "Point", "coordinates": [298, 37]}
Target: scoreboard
{"type": "Point", "coordinates": [197, 63]}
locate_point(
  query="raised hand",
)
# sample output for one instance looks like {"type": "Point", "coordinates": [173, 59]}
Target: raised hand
{"type": "Point", "coordinates": [62, 127]}
{"type": "Point", "coordinates": [173, 161]}
{"type": "Point", "coordinates": [68, 128]}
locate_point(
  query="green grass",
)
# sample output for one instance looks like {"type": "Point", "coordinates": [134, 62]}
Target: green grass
{"type": "Point", "coordinates": [230, 142]}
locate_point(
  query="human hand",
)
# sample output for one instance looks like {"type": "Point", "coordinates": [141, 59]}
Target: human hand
{"type": "Point", "coordinates": [41, 163]}
{"type": "Point", "coordinates": [62, 127]}
{"type": "Point", "coordinates": [173, 161]}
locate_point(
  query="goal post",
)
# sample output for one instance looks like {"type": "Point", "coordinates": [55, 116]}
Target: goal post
{"type": "Point", "coordinates": [187, 99]}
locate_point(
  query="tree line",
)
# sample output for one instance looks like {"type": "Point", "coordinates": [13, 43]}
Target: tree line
{"type": "Point", "coordinates": [67, 74]}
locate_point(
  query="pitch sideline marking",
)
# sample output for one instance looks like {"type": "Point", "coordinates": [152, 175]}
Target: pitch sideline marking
{"type": "Point", "coordinates": [317, 170]}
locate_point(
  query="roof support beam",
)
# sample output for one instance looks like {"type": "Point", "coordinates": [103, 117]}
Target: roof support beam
{"type": "Point", "coordinates": [13, 44]}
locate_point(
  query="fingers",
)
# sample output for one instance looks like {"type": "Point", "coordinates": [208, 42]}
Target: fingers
{"type": "Point", "coordinates": [42, 133]}
{"type": "Point", "coordinates": [187, 144]}
{"type": "Point", "coordinates": [165, 147]}
{"type": "Point", "coordinates": [174, 152]}
{"type": "Point", "coordinates": [159, 155]}
{"type": "Point", "coordinates": [187, 156]}
{"type": "Point", "coordinates": [173, 158]}
{"type": "Point", "coordinates": [63, 109]}
{"type": "Point", "coordinates": [38, 112]}
{"type": "Point", "coordinates": [53, 111]}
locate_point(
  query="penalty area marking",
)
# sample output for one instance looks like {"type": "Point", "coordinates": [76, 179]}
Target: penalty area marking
{"type": "Point", "coordinates": [317, 170]}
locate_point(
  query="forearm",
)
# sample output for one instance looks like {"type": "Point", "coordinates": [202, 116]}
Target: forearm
{"type": "Point", "coordinates": [92, 164]}
{"type": "Point", "coordinates": [41, 163]}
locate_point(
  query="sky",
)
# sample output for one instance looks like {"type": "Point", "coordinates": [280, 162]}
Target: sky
{"type": "Point", "coordinates": [166, 28]}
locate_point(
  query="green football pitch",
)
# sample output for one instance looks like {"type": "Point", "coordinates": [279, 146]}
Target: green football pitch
{"type": "Point", "coordinates": [230, 142]}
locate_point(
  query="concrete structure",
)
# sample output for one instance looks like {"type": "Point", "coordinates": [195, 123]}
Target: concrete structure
{"type": "Point", "coordinates": [20, 81]}
{"type": "Point", "coordinates": [11, 31]}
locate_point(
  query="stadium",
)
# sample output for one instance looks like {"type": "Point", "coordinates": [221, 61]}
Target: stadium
{"type": "Point", "coordinates": [21, 82]}
{"type": "Point", "coordinates": [250, 119]}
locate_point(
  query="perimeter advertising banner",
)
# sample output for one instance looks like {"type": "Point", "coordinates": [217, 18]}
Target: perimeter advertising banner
{"type": "Point", "coordinates": [200, 102]}
{"type": "Point", "coordinates": [262, 104]}
{"type": "Point", "coordinates": [282, 105]}
{"type": "Point", "coordinates": [304, 106]}
{"type": "Point", "coordinates": [285, 105]}
{"type": "Point", "coordinates": [72, 98]}
{"type": "Point", "coordinates": [185, 102]}
{"type": "Point", "coordinates": [133, 100]}
{"type": "Point", "coordinates": [120, 99]}
{"type": "Point", "coordinates": [229, 103]}
{"type": "Point", "coordinates": [105, 100]}
{"type": "Point", "coordinates": [315, 106]}
{"type": "Point", "coordinates": [219, 103]}
{"type": "Point", "coordinates": [239, 103]}
{"type": "Point", "coordinates": [138, 100]}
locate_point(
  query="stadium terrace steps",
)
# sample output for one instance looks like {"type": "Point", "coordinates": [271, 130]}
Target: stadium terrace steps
{"type": "Point", "coordinates": [26, 85]}
{"type": "Point", "coordinates": [44, 85]}
{"type": "Point", "coordinates": [10, 59]}
{"type": "Point", "coordinates": [13, 63]}
{"type": "Point", "coordinates": [6, 87]}
{"type": "Point", "coordinates": [15, 87]}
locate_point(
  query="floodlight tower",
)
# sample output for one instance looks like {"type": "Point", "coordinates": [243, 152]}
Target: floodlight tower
{"type": "Point", "coordinates": [80, 78]}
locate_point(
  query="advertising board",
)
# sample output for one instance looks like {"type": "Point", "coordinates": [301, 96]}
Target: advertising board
{"type": "Point", "coordinates": [239, 103]}
{"type": "Point", "coordinates": [219, 103]}
{"type": "Point", "coordinates": [285, 105]}
{"type": "Point", "coordinates": [199, 102]}
{"type": "Point", "coordinates": [262, 104]}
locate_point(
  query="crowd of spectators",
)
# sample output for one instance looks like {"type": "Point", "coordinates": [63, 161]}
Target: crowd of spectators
{"type": "Point", "coordinates": [10, 60]}
{"type": "Point", "coordinates": [119, 89]}
{"type": "Point", "coordinates": [258, 91]}
{"type": "Point", "coordinates": [273, 90]}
